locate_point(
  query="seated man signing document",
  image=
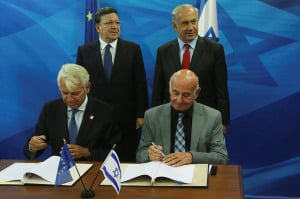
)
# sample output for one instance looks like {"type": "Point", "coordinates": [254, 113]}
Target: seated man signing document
{"type": "Point", "coordinates": [183, 131]}
{"type": "Point", "coordinates": [89, 126]}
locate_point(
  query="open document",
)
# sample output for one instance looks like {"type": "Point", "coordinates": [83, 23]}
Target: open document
{"type": "Point", "coordinates": [38, 173]}
{"type": "Point", "coordinates": [157, 173]}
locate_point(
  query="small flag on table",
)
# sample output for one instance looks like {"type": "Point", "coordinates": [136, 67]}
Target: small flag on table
{"type": "Point", "coordinates": [66, 162]}
{"type": "Point", "coordinates": [112, 171]}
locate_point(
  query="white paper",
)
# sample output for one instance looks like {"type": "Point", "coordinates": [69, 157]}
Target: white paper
{"type": "Point", "coordinates": [44, 172]}
{"type": "Point", "coordinates": [155, 169]}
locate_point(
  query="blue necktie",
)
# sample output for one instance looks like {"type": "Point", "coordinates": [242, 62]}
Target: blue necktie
{"type": "Point", "coordinates": [73, 127]}
{"type": "Point", "coordinates": [107, 61]}
{"type": "Point", "coordinates": [179, 136]}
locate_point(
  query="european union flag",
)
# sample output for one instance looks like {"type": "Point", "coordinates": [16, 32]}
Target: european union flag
{"type": "Point", "coordinates": [90, 30]}
{"type": "Point", "coordinates": [208, 21]}
{"type": "Point", "coordinates": [66, 162]}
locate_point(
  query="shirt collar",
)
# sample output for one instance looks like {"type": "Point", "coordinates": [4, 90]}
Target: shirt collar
{"type": "Point", "coordinates": [103, 44]}
{"type": "Point", "coordinates": [186, 113]}
{"type": "Point", "coordinates": [192, 43]}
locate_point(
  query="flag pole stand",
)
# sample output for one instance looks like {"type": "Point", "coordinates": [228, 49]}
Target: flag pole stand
{"type": "Point", "coordinates": [87, 193]}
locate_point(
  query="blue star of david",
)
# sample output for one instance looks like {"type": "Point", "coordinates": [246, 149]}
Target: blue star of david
{"type": "Point", "coordinates": [116, 172]}
{"type": "Point", "coordinates": [244, 61]}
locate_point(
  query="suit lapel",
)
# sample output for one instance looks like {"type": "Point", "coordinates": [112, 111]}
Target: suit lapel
{"type": "Point", "coordinates": [118, 57]}
{"type": "Point", "coordinates": [198, 53]}
{"type": "Point", "coordinates": [62, 118]}
{"type": "Point", "coordinates": [96, 49]}
{"type": "Point", "coordinates": [196, 125]}
{"type": "Point", "coordinates": [165, 123]}
{"type": "Point", "coordinates": [86, 120]}
{"type": "Point", "coordinates": [176, 64]}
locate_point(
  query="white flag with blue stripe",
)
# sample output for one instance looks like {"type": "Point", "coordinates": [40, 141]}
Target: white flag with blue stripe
{"type": "Point", "coordinates": [208, 22]}
{"type": "Point", "coordinates": [112, 171]}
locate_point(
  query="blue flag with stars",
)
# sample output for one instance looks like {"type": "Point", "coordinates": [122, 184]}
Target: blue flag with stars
{"type": "Point", "coordinates": [208, 22]}
{"type": "Point", "coordinates": [90, 30]}
{"type": "Point", "coordinates": [112, 171]}
{"type": "Point", "coordinates": [65, 163]}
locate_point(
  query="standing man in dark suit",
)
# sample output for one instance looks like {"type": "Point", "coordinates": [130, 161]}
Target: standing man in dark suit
{"type": "Point", "coordinates": [205, 58]}
{"type": "Point", "coordinates": [96, 123]}
{"type": "Point", "coordinates": [124, 84]}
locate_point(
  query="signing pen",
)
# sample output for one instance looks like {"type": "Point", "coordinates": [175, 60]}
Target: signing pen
{"type": "Point", "coordinates": [41, 138]}
{"type": "Point", "coordinates": [155, 146]}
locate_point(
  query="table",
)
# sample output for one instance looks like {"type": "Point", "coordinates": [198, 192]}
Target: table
{"type": "Point", "coordinates": [227, 183]}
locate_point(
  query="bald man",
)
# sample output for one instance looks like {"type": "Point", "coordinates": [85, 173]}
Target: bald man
{"type": "Point", "coordinates": [201, 126]}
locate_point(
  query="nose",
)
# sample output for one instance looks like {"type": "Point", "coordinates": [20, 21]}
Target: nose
{"type": "Point", "coordinates": [69, 97]}
{"type": "Point", "coordinates": [179, 99]}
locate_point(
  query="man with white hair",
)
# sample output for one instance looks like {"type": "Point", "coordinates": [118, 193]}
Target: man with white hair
{"type": "Point", "coordinates": [95, 122]}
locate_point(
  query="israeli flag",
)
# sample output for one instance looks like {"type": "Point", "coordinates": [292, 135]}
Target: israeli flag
{"type": "Point", "coordinates": [112, 171]}
{"type": "Point", "coordinates": [208, 22]}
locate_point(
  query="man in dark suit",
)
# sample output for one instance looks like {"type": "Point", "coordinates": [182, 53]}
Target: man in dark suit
{"type": "Point", "coordinates": [206, 59]}
{"type": "Point", "coordinates": [96, 121]}
{"type": "Point", "coordinates": [125, 86]}
{"type": "Point", "coordinates": [202, 140]}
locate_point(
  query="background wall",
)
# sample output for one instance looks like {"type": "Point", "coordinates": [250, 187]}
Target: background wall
{"type": "Point", "coordinates": [261, 40]}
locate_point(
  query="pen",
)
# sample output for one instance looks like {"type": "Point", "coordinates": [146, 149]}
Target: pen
{"type": "Point", "coordinates": [155, 146]}
{"type": "Point", "coordinates": [41, 139]}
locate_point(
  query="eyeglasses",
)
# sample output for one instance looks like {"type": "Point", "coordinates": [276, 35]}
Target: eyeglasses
{"type": "Point", "coordinates": [110, 23]}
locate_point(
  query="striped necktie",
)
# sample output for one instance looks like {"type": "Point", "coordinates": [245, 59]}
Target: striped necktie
{"type": "Point", "coordinates": [179, 136]}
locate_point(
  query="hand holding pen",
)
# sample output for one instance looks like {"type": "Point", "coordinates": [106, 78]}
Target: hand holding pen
{"type": "Point", "coordinates": [155, 152]}
{"type": "Point", "coordinates": [37, 143]}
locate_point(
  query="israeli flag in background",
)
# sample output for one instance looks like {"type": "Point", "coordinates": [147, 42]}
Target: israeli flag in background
{"type": "Point", "coordinates": [208, 22]}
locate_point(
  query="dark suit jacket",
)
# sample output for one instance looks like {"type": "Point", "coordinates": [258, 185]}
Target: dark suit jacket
{"type": "Point", "coordinates": [207, 140]}
{"type": "Point", "coordinates": [126, 89]}
{"type": "Point", "coordinates": [99, 129]}
{"type": "Point", "coordinates": [208, 63]}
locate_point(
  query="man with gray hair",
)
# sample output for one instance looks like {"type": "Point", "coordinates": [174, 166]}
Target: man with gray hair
{"type": "Point", "coordinates": [183, 131]}
{"type": "Point", "coordinates": [89, 126]}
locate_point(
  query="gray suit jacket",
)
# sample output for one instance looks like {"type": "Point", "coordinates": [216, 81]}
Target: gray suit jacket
{"type": "Point", "coordinates": [207, 140]}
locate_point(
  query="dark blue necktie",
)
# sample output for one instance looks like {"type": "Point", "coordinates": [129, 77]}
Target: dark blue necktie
{"type": "Point", "coordinates": [179, 136]}
{"type": "Point", "coordinates": [73, 127]}
{"type": "Point", "coordinates": [107, 61]}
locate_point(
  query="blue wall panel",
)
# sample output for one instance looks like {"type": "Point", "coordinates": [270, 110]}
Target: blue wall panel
{"type": "Point", "coordinates": [261, 41]}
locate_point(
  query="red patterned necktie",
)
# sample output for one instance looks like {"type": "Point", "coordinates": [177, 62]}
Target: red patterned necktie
{"type": "Point", "coordinates": [186, 57]}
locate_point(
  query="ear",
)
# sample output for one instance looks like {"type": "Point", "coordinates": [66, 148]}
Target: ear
{"type": "Point", "coordinates": [174, 25]}
{"type": "Point", "coordinates": [98, 29]}
{"type": "Point", "coordinates": [88, 88]}
{"type": "Point", "coordinates": [197, 92]}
